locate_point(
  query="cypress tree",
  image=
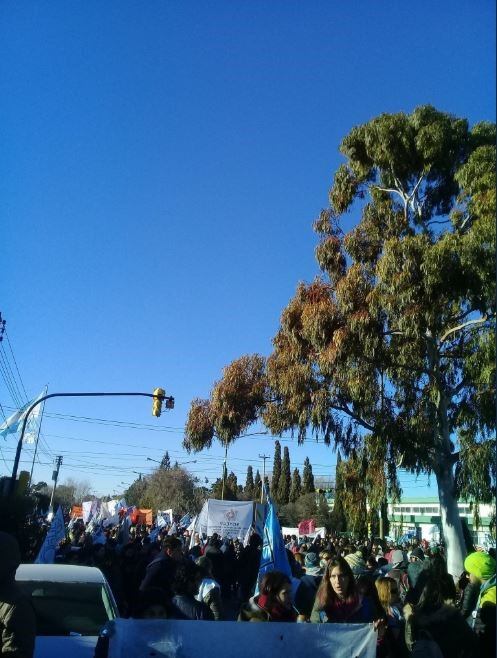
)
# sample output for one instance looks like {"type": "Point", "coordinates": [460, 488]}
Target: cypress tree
{"type": "Point", "coordinates": [308, 478]}
{"type": "Point", "coordinates": [249, 482]}
{"type": "Point", "coordinates": [296, 488]}
{"type": "Point", "coordinates": [276, 470]}
{"type": "Point", "coordinates": [165, 462]}
{"type": "Point", "coordinates": [285, 481]}
{"type": "Point", "coordinates": [257, 485]}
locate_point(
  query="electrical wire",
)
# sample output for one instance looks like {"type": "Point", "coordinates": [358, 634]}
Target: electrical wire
{"type": "Point", "coordinates": [15, 363]}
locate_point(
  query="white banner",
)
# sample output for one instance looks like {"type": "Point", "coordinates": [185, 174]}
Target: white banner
{"type": "Point", "coordinates": [87, 510]}
{"type": "Point", "coordinates": [229, 518]}
{"type": "Point", "coordinates": [295, 531]}
{"type": "Point", "coordinates": [135, 638]}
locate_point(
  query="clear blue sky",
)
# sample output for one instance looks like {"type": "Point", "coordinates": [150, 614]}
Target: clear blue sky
{"type": "Point", "coordinates": [160, 169]}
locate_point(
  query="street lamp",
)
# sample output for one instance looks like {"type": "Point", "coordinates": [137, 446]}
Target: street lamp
{"type": "Point", "coordinates": [193, 461]}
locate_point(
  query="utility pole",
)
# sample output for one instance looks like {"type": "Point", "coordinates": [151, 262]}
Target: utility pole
{"type": "Point", "coordinates": [225, 469]}
{"type": "Point", "coordinates": [55, 476]}
{"type": "Point", "coordinates": [263, 457]}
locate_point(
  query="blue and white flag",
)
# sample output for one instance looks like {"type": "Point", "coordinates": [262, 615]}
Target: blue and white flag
{"type": "Point", "coordinates": [56, 534]}
{"type": "Point", "coordinates": [185, 521]}
{"type": "Point", "coordinates": [123, 534]}
{"type": "Point", "coordinates": [98, 535]}
{"type": "Point", "coordinates": [161, 521]}
{"type": "Point", "coordinates": [154, 534]}
{"type": "Point", "coordinates": [273, 557]}
{"type": "Point", "coordinates": [14, 422]}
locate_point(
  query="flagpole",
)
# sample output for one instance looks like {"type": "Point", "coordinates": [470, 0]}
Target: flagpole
{"type": "Point", "coordinates": [37, 439]}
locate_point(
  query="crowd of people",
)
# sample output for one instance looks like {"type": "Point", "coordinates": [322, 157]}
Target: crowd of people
{"type": "Point", "coordinates": [405, 591]}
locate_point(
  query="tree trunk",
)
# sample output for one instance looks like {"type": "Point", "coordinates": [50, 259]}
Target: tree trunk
{"type": "Point", "coordinates": [451, 521]}
{"type": "Point", "coordinates": [443, 466]}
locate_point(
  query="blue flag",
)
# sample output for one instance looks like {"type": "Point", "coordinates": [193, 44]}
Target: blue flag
{"type": "Point", "coordinates": [56, 534]}
{"type": "Point", "coordinates": [274, 557]}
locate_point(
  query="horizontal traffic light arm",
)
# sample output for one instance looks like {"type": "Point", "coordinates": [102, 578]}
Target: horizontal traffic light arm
{"type": "Point", "coordinates": [169, 405]}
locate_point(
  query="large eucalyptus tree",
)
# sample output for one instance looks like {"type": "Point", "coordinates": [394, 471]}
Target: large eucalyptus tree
{"type": "Point", "coordinates": [391, 352]}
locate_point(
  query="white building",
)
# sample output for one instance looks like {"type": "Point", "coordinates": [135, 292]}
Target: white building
{"type": "Point", "coordinates": [421, 516]}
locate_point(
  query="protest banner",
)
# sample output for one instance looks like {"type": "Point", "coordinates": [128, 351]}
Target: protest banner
{"type": "Point", "coordinates": [142, 516]}
{"type": "Point", "coordinates": [307, 527]}
{"type": "Point", "coordinates": [229, 519]}
{"type": "Point", "coordinates": [134, 638]}
{"type": "Point", "coordinates": [77, 512]}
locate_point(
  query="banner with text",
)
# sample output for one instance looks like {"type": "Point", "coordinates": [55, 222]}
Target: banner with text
{"type": "Point", "coordinates": [229, 518]}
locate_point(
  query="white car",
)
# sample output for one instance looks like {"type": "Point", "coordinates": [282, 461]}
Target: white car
{"type": "Point", "coordinates": [72, 604]}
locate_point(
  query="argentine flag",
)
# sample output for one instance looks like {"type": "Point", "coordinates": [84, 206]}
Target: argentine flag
{"type": "Point", "coordinates": [14, 422]}
{"type": "Point", "coordinates": [274, 557]}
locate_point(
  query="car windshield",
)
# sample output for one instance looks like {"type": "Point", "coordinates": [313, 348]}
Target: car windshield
{"type": "Point", "coordinates": [68, 608]}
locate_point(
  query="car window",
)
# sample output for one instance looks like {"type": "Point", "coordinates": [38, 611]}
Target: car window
{"type": "Point", "coordinates": [68, 608]}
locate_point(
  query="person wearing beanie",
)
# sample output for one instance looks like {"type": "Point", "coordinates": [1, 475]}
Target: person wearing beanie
{"type": "Point", "coordinates": [398, 571]}
{"type": "Point", "coordinates": [311, 564]}
{"type": "Point", "coordinates": [417, 564]}
{"type": "Point", "coordinates": [17, 617]}
{"type": "Point", "coordinates": [356, 563]}
{"type": "Point", "coordinates": [481, 569]}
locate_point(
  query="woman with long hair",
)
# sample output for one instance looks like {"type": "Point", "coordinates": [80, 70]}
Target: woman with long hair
{"type": "Point", "coordinates": [275, 597]}
{"type": "Point", "coordinates": [434, 618]}
{"type": "Point", "coordinates": [338, 599]}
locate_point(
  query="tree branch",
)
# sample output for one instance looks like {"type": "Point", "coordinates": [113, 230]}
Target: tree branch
{"type": "Point", "coordinates": [389, 191]}
{"type": "Point", "coordinates": [463, 326]}
{"type": "Point", "coordinates": [346, 410]}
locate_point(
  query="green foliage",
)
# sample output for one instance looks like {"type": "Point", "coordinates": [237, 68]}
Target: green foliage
{"type": "Point", "coordinates": [275, 479]}
{"type": "Point", "coordinates": [308, 478]}
{"type": "Point", "coordinates": [174, 487]}
{"type": "Point", "coordinates": [285, 479]}
{"type": "Point", "coordinates": [134, 493]}
{"type": "Point", "coordinates": [166, 461]}
{"type": "Point", "coordinates": [338, 519]}
{"type": "Point", "coordinates": [323, 514]}
{"type": "Point", "coordinates": [233, 405]}
{"type": "Point", "coordinates": [296, 486]}
{"type": "Point", "coordinates": [257, 485]}
{"type": "Point", "coordinates": [391, 352]}
{"type": "Point", "coordinates": [249, 483]}
{"type": "Point", "coordinates": [303, 508]}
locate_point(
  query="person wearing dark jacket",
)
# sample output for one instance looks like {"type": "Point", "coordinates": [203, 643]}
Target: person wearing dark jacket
{"type": "Point", "coordinates": [248, 567]}
{"type": "Point", "coordinates": [160, 571]}
{"type": "Point", "coordinates": [431, 617]}
{"type": "Point", "coordinates": [17, 617]}
{"type": "Point", "coordinates": [309, 583]}
{"type": "Point", "coordinates": [274, 603]}
{"type": "Point", "coordinates": [187, 579]}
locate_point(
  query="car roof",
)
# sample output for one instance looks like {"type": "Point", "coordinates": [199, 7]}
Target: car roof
{"type": "Point", "coordinates": [59, 573]}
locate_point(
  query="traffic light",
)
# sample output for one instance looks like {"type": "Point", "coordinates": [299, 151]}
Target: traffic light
{"type": "Point", "coordinates": [157, 403]}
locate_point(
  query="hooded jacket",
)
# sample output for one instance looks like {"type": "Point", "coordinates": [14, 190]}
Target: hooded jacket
{"type": "Point", "coordinates": [17, 617]}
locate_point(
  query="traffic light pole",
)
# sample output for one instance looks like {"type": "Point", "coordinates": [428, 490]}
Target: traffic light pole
{"type": "Point", "coordinates": [169, 404]}
{"type": "Point", "coordinates": [55, 477]}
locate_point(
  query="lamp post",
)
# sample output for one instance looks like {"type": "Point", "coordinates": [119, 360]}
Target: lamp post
{"type": "Point", "coordinates": [169, 405]}
{"type": "Point", "coordinates": [193, 461]}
